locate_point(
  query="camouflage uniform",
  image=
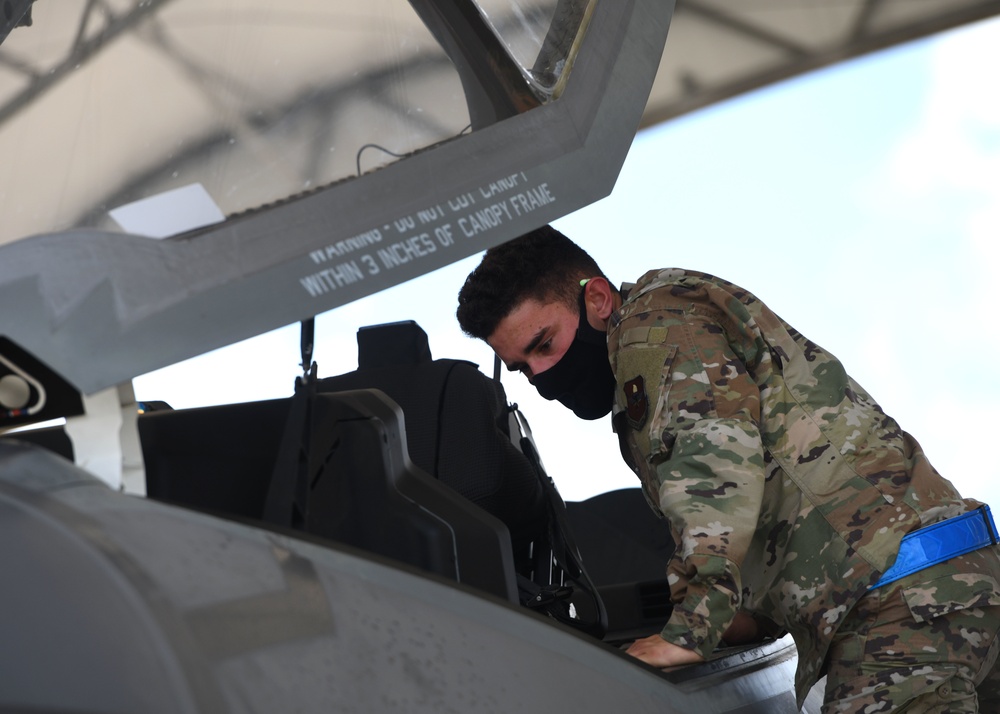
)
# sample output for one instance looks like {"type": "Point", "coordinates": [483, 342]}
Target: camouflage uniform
{"type": "Point", "coordinates": [788, 490]}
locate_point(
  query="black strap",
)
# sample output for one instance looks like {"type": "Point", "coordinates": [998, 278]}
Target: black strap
{"type": "Point", "coordinates": [564, 549]}
{"type": "Point", "coordinates": [287, 501]}
{"type": "Point", "coordinates": [288, 493]}
{"type": "Point", "coordinates": [307, 339]}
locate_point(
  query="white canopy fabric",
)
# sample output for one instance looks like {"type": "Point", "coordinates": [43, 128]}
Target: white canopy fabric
{"type": "Point", "coordinates": [719, 49]}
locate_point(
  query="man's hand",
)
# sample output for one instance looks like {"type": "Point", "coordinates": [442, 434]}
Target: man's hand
{"type": "Point", "coordinates": [658, 652]}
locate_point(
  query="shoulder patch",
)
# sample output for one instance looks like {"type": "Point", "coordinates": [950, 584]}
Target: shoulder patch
{"type": "Point", "coordinates": [636, 402]}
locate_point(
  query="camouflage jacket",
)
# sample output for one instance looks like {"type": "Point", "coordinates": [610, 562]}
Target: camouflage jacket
{"type": "Point", "coordinates": [786, 487]}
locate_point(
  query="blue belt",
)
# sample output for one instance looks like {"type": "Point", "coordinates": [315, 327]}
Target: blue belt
{"type": "Point", "coordinates": [937, 543]}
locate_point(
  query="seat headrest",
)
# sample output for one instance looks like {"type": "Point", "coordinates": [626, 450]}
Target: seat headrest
{"type": "Point", "coordinates": [392, 345]}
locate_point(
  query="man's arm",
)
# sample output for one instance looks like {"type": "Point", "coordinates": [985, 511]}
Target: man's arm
{"type": "Point", "coordinates": [704, 454]}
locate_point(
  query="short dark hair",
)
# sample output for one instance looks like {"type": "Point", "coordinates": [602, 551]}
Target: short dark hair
{"type": "Point", "coordinates": [543, 265]}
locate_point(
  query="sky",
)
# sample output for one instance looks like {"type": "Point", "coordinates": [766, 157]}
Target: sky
{"type": "Point", "coordinates": [860, 202]}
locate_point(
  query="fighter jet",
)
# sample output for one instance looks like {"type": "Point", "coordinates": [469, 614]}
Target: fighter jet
{"type": "Point", "coordinates": [180, 175]}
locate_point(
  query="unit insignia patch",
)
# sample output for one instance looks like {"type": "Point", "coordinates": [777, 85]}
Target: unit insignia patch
{"type": "Point", "coordinates": [636, 402]}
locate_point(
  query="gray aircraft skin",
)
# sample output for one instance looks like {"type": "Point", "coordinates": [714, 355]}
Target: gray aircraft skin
{"type": "Point", "coordinates": [120, 595]}
{"type": "Point", "coordinates": [126, 604]}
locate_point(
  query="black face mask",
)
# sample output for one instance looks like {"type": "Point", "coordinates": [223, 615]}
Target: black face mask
{"type": "Point", "coordinates": [582, 378]}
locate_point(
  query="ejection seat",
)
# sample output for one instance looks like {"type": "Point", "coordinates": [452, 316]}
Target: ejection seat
{"type": "Point", "coordinates": [340, 472]}
{"type": "Point", "coordinates": [456, 423]}
{"type": "Point", "coordinates": [449, 492]}
{"type": "Point", "coordinates": [460, 429]}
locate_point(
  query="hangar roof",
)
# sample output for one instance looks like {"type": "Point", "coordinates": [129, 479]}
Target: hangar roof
{"type": "Point", "coordinates": [103, 103]}
{"type": "Point", "coordinates": [179, 175]}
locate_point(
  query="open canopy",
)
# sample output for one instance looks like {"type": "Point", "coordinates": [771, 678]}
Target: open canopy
{"type": "Point", "coordinates": [484, 119]}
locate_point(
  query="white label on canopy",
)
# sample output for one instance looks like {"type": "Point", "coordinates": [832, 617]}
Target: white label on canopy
{"type": "Point", "coordinates": [169, 213]}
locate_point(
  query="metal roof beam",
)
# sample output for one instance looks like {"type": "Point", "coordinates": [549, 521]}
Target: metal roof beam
{"type": "Point", "coordinates": [861, 23]}
{"type": "Point", "coordinates": [741, 27]}
{"type": "Point", "coordinates": [11, 62]}
{"type": "Point", "coordinates": [79, 52]}
{"type": "Point", "coordinates": [862, 44]}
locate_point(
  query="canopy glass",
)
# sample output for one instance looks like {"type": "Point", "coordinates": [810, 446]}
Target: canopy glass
{"type": "Point", "coordinates": [105, 103]}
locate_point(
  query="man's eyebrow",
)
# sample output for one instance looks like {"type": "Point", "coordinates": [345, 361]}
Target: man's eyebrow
{"type": "Point", "coordinates": [535, 341]}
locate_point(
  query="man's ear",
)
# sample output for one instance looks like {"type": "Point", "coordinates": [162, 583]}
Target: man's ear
{"type": "Point", "coordinates": [598, 297]}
